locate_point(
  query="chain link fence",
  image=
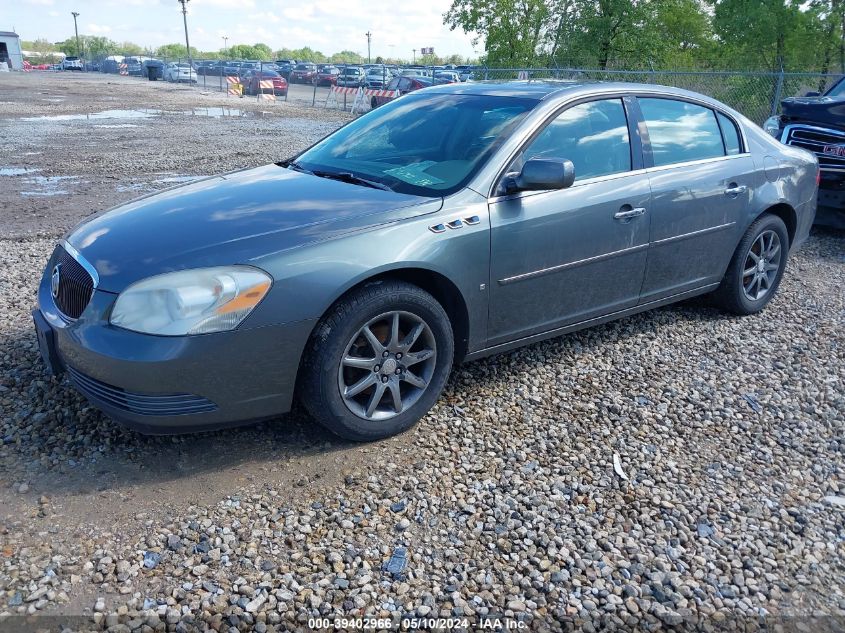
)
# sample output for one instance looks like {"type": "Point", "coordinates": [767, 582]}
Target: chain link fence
{"type": "Point", "coordinates": [756, 94]}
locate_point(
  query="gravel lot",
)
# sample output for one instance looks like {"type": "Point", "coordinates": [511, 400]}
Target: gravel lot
{"type": "Point", "coordinates": [504, 500]}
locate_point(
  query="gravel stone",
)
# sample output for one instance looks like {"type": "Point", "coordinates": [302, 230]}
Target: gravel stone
{"type": "Point", "coordinates": [509, 482]}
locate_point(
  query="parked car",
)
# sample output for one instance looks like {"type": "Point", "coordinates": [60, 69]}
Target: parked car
{"type": "Point", "coordinates": [454, 223]}
{"type": "Point", "coordinates": [284, 67]}
{"type": "Point", "coordinates": [327, 75]}
{"type": "Point", "coordinates": [816, 122]}
{"type": "Point", "coordinates": [465, 73]}
{"type": "Point", "coordinates": [303, 73]}
{"type": "Point", "coordinates": [377, 78]}
{"type": "Point", "coordinates": [245, 67]}
{"type": "Point", "coordinates": [252, 87]}
{"type": "Point", "coordinates": [446, 77]}
{"type": "Point", "coordinates": [71, 62]}
{"type": "Point", "coordinates": [180, 72]}
{"type": "Point", "coordinates": [133, 67]}
{"type": "Point", "coordinates": [205, 68]}
{"type": "Point", "coordinates": [404, 85]}
{"type": "Point", "coordinates": [351, 77]}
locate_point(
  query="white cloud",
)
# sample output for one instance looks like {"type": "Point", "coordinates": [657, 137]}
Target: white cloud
{"type": "Point", "coordinates": [265, 17]}
{"type": "Point", "coordinates": [328, 25]}
{"type": "Point", "coordinates": [98, 29]}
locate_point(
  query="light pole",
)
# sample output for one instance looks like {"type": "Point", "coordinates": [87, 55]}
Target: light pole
{"type": "Point", "coordinates": [369, 35]}
{"type": "Point", "coordinates": [184, 4]}
{"type": "Point", "coordinates": [76, 30]}
{"type": "Point", "coordinates": [225, 44]}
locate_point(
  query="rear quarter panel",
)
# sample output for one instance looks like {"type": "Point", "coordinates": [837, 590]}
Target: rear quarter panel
{"type": "Point", "coordinates": [787, 175]}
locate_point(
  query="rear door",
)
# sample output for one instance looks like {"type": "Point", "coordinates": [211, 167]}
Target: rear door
{"type": "Point", "coordinates": [701, 180]}
{"type": "Point", "coordinates": [565, 256]}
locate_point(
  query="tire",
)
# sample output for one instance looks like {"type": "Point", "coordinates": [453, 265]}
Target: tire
{"type": "Point", "coordinates": [340, 335]}
{"type": "Point", "coordinates": [733, 295]}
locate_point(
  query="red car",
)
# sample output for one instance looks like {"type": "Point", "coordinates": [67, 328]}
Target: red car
{"type": "Point", "coordinates": [404, 85]}
{"type": "Point", "coordinates": [251, 87]}
{"type": "Point", "coordinates": [327, 75]}
{"type": "Point", "coordinates": [303, 73]}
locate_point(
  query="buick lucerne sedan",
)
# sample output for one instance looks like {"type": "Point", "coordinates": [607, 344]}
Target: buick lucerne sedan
{"type": "Point", "coordinates": [452, 223]}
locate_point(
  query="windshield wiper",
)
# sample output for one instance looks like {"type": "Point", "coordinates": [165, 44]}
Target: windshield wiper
{"type": "Point", "coordinates": [345, 176]}
{"type": "Point", "coordinates": [297, 167]}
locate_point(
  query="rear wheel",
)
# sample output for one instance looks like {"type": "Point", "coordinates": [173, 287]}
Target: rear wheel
{"type": "Point", "coordinates": [378, 361]}
{"type": "Point", "coordinates": [756, 269]}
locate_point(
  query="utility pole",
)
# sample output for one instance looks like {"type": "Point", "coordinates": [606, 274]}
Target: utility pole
{"type": "Point", "coordinates": [369, 35]}
{"type": "Point", "coordinates": [76, 30]}
{"type": "Point", "coordinates": [225, 44]}
{"type": "Point", "coordinates": [414, 51]}
{"type": "Point", "coordinates": [184, 4]}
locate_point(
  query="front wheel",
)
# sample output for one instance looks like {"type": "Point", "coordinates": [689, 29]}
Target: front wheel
{"type": "Point", "coordinates": [756, 269]}
{"type": "Point", "coordinates": [378, 361]}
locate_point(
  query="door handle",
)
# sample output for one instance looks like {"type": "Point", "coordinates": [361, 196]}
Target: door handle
{"type": "Point", "coordinates": [735, 190]}
{"type": "Point", "coordinates": [627, 214]}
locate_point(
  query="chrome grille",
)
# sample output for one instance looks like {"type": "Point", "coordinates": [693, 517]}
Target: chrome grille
{"type": "Point", "coordinates": [815, 139]}
{"type": "Point", "coordinates": [75, 284]}
{"type": "Point", "coordinates": [139, 403]}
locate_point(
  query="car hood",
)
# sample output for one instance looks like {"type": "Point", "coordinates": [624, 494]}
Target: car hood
{"type": "Point", "coordinates": [820, 110]}
{"type": "Point", "coordinates": [229, 219]}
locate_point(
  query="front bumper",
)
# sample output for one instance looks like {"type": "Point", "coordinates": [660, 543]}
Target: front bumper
{"type": "Point", "coordinates": [165, 384]}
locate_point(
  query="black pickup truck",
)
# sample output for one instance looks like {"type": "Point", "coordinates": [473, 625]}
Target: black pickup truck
{"type": "Point", "coordinates": [816, 123]}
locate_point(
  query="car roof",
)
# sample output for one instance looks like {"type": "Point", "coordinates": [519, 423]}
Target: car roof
{"type": "Point", "coordinates": [548, 89]}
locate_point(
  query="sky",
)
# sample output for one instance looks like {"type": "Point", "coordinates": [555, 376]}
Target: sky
{"type": "Point", "coordinates": [325, 25]}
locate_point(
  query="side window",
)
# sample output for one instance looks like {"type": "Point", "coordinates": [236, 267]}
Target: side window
{"type": "Point", "coordinates": [393, 83]}
{"type": "Point", "coordinates": [593, 135]}
{"type": "Point", "coordinates": [729, 133]}
{"type": "Point", "coordinates": [680, 131]}
{"type": "Point", "coordinates": [404, 83]}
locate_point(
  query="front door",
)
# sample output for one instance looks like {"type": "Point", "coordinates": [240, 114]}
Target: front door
{"type": "Point", "coordinates": [560, 257]}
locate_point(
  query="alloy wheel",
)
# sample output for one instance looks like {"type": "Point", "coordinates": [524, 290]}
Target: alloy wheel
{"type": "Point", "coordinates": [387, 365]}
{"type": "Point", "coordinates": [762, 264]}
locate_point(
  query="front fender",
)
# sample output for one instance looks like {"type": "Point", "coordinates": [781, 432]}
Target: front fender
{"type": "Point", "coordinates": [310, 279]}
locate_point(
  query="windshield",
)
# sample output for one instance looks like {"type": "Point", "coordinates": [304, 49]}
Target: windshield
{"type": "Point", "coordinates": [421, 144]}
{"type": "Point", "coordinates": [838, 90]}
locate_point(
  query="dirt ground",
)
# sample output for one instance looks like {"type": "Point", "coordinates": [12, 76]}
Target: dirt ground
{"type": "Point", "coordinates": [72, 144]}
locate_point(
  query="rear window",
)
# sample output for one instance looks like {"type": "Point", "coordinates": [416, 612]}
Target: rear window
{"type": "Point", "coordinates": [680, 131]}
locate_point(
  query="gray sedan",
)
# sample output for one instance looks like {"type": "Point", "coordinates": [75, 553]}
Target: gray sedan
{"type": "Point", "coordinates": [452, 223]}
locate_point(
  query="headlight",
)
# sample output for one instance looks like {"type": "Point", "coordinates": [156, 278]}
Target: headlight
{"type": "Point", "coordinates": [195, 301]}
{"type": "Point", "coordinates": [772, 126]}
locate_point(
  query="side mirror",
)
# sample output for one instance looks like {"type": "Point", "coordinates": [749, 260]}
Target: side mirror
{"type": "Point", "coordinates": [812, 93]}
{"type": "Point", "coordinates": [541, 174]}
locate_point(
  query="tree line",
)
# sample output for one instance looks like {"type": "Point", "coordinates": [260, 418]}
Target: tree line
{"type": "Point", "coordinates": [98, 47]}
{"type": "Point", "coordinates": [796, 35]}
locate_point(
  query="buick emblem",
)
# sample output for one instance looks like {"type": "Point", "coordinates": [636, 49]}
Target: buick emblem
{"type": "Point", "coordinates": [54, 280]}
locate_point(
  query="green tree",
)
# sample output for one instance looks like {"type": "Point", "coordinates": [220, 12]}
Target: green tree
{"type": "Point", "coordinates": [130, 48]}
{"type": "Point", "coordinates": [512, 29]}
{"type": "Point", "coordinates": [347, 57]}
{"type": "Point", "coordinates": [176, 51]}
